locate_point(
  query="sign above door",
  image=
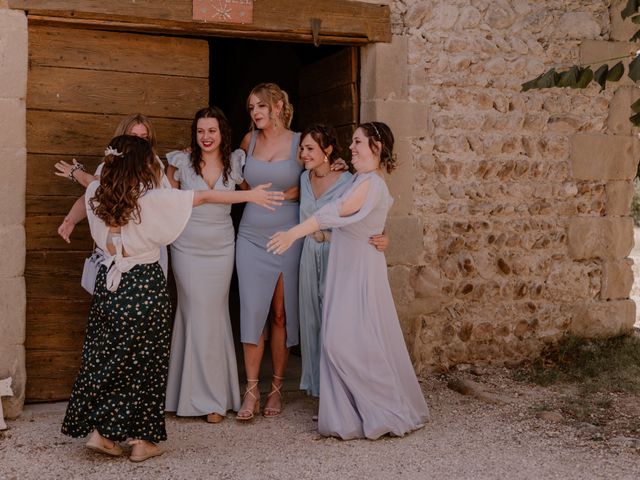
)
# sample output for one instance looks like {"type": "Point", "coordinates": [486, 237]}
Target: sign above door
{"type": "Point", "coordinates": [223, 11]}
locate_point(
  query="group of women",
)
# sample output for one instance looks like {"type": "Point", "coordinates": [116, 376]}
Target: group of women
{"type": "Point", "coordinates": [322, 282]}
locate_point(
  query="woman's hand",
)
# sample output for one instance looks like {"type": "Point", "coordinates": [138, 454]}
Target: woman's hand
{"type": "Point", "coordinates": [64, 169]}
{"type": "Point", "coordinates": [381, 242]}
{"type": "Point", "coordinates": [339, 165]}
{"type": "Point", "coordinates": [260, 196]}
{"type": "Point", "coordinates": [65, 229]}
{"type": "Point", "coordinates": [280, 242]}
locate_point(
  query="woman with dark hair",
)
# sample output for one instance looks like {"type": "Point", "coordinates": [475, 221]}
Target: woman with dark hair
{"type": "Point", "coordinates": [203, 375]}
{"type": "Point", "coordinates": [119, 392]}
{"type": "Point", "coordinates": [319, 183]}
{"type": "Point", "coordinates": [368, 387]}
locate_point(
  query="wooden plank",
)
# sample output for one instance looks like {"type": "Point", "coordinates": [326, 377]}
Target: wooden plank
{"type": "Point", "coordinates": [57, 323]}
{"type": "Point", "coordinates": [342, 21]}
{"type": "Point", "coordinates": [42, 233]}
{"type": "Point", "coordinates": [118, 51]}
{"type": "Point", "coordinates": [54, 275]}
{"type": "Point", "coordinates": [42, 182]}
{"type": "Point", "coordinates": [333, 71]}
{"type": "Point", "coordinates": [49, 205]}
{"type": "Point", "coordinates": [161, 9]}
{"type": "Point", "coordinates": [51, 374]}
{"type": "Point", "coordinates": [92, 91]}
{"type": "Point", "coordinates": [336, 107]}
{"type": "Point", "coordinates": [87, 134]}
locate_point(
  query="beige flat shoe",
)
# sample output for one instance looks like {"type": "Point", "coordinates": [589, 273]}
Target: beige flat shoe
{"type": "Point", "coordinates": [147, 452]}
{"type": "Point", "coordinates": [115, 450]}
{"type": "Point", "coordinates": [214, 418]}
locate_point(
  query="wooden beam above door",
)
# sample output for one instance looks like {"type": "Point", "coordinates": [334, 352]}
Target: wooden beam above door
{"type": "Point", "coordinates": [342, 21]}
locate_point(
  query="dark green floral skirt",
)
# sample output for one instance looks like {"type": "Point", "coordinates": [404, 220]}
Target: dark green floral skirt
{"type": "Point", "coordinates": [120, 389]}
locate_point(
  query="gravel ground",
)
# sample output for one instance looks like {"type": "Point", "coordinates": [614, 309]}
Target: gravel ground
{"type": "Point", "coordinates": [466, 438]}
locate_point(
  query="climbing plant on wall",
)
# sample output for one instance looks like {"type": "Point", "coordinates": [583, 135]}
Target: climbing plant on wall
{"type": "Point", "coordinates": [580, 76]}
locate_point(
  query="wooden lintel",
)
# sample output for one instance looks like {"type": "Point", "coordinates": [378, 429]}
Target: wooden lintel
{"type": "Point", "coordinates": [343, 22]}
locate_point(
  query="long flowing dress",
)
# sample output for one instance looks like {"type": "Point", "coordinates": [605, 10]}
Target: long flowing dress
{"type": "Point", "coordinates": [313, 270]}
{"type": "Point", "coordinates": [120, 388]}
{"type": "Point", "coordinates": [368, 387]}
{"type": "Point", "coordinates": [203, 374]}
{"type": "Point", "coordinates": [258, 270]}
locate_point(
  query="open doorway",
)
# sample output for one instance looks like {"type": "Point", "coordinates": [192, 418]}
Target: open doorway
{"type": "Point", "coordinates": [322, 83]}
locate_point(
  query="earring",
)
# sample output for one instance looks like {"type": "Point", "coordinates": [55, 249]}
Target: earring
{"type": "Point", "coordinates": [326, 159]}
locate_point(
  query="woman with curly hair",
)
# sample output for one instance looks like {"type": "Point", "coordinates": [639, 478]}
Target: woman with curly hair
{"type": "Point", "coordinates": [203, 374]}
{"type": "Point", "coordinates": [367, 384]}
{"type": "Point", "coordinates": [119, 392]}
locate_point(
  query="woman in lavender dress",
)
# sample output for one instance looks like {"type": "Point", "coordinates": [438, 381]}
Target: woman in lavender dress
{"type": "Point", "coordinates": [368, 387]}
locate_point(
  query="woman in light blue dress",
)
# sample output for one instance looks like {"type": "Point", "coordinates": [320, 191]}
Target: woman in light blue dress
{"type": "Point", "coordinates": [368, 387]}
{"type": "Point", "coordinates": [319, 184]}
{"type": "Point", "coordinates": [203, 374]}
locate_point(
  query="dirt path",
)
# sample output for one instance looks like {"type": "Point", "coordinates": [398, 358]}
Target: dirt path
{"type": "Point", "coordinates": [465, 439]}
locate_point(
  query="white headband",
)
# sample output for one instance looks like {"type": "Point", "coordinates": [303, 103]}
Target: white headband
{"type": "Point", "coordinates": [112, 151]}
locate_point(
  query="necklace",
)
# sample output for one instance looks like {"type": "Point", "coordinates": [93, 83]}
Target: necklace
{"type": "Point", "coordinates": [315, 174]}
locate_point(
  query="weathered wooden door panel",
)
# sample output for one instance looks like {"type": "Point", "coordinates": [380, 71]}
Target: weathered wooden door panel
{"type": "Point", "coordinates": [81, 84]}
{"type": "Point", "coordinates": [329, 94]}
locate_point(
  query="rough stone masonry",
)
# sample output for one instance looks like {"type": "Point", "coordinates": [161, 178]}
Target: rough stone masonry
{"type": "Point", "coordinates": [520, 201]}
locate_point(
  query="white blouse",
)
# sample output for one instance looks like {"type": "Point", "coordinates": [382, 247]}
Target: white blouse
{"type": "Point", "coordinates": [164, 213]}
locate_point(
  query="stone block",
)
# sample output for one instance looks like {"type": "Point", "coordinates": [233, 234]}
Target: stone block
{"type": "Point", "coordinates": [593, 52]}
{"type": "Point", "coordinates": [13, 299]}
{"type": "Point", "coordinates": [13, 123]}
{"type": "Point", "coordinates": [12, 184]}
{"type": "Point", "coordinates": [600, 237]}
{"type": "Point", "coordinates": [384, 70]}
{"type": "Point", "coordinates": [620, 110]}
{"type": "Point", "coordinates": [405, 245]}
{"type": "Point", "coordinates": [406, 119]}
{"type": "Point", "coordinates": [400, 181]}
{"type": "Point", "coordinates": [603, 319]}
{"type": "Point", "coordinates": [621, 30]}
{"type": "Point", "coordinates": [619, 195]}
{"type": "Point", "coordinates": [595, 156]}
{"type": "Point", "coordinates": [14, 56]}
{"type": "Point", "coordinates": [617, 279]}
{"type": "Point", "coordinates": [12, 364]}
{"type": "Point", "coordinates": [12, 251]}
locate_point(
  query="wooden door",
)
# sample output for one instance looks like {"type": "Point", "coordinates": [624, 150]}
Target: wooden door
{"type": "Point", "coordinates": [328, 93]}
{"type": "Point", "coordinates": [81, 83]}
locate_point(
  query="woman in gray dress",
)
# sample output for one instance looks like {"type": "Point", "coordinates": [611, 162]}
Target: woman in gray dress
{"type": "Point", "coordinates": [268, 285]}
{"type": "Point", "coordinates": [319, 183]}
{"type": "Point", "coordinates": [203, 374]}
{"type": "Point", "coordinates": [368, 387]}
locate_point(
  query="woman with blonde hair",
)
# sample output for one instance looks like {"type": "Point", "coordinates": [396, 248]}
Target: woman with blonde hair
{"type": "Point", "coordinates": [119, 392]}
{"type": "Point", "coordinates": [135, 124]}
{"type": "Point", "coordinates": [268, 284]}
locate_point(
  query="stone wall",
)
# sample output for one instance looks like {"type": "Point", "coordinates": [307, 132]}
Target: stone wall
{"type": "Point", "coordinates": [511, 223]}
{"type": "Point", "coordinates": [13, 160]}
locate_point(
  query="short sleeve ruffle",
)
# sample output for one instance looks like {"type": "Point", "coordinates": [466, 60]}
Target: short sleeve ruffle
{"type": "Point", "coordinates": [180, 160]}
{"type": "Point", "coordinates": [329, 216]}
{"type": "Point", "coordinates": [165, 214]}
{"type": "Point", "coordinates": [238, 158]}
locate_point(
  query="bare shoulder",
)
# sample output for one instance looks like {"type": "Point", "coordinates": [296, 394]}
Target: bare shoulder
{"type": "Point", "coordinates": [244, 144]}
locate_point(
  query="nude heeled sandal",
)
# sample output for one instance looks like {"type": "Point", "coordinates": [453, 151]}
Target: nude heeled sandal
{"type": "Point", "coordinates": [246, 414]}
{"type": "Point", "coordinates": [270, 412]}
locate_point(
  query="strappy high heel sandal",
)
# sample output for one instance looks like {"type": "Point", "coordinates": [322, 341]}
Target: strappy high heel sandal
{"type": "Point", "coordinates": [246, 414]}
{"type": "Point", "coordinates": [270, 412]}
